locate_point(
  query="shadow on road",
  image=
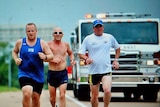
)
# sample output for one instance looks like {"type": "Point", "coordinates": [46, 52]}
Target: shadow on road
{"type": "Point", "coordinates": [120, 99]}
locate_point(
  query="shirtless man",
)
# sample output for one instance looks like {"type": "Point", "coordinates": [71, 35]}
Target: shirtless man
{"type": "Point", "coordinates": [57, 74]}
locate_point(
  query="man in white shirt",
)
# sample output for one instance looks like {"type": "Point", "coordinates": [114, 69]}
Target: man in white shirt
{"type": "Point", "coordinates": [98, 45]}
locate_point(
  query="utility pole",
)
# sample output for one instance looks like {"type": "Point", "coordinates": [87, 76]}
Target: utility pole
{"type": "Point", "coordinates": [8, 61]}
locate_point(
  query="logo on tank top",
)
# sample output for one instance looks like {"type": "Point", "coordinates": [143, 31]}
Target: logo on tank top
{"type": "Point", "coordinates": [24, 44]}
{"type": "Point", "coordinates": [30, 49]}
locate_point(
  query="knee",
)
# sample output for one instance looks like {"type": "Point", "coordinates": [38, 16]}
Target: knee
{"type": "Point", "coordinates": [94, 96]}
{"type": "Point", "coordinates": [36, 99]}
{"type": "Point", "coordinates": [62, 96]}
{"type": "Point", "coordinates": [107, 92]}
{"type": "Point", "coordinates": [52, 100]}
{"type": "Point", "coordinates": [27, 95]}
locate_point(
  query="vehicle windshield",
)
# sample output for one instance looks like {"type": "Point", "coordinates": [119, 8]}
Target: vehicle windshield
{"type": "Point", "coordinates": [127, 32]}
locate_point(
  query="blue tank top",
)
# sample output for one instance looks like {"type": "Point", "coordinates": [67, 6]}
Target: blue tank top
{"type": "Point", "coordinates": [31, 66]}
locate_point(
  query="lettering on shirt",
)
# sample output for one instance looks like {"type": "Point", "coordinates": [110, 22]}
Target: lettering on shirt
{"type": "Point", "coordinates": [96, 43]}
{"type": "Point", "coordinates": [30, 49]}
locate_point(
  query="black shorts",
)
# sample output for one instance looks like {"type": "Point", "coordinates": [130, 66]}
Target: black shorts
{"type": "Point", "coordinates": [56, 78]}
{"type": "Point", "coordinates": [96, 78]}
{"type": "Point", "coordinates": [37, 87]}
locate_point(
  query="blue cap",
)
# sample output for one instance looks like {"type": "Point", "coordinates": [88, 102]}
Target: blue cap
{"type": "Point", "coordinates": [97, 22]}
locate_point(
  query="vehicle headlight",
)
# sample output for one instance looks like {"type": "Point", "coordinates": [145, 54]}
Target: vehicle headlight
{"type": "Point", "coordinates": [150, 62]}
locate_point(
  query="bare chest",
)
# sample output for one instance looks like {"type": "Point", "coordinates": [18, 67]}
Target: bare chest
{"type": "Point", "coordinates": [59, 49]}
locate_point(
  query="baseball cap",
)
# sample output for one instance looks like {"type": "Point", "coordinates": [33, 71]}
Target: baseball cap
{"type": "Point", "coordinates": [97, 22]}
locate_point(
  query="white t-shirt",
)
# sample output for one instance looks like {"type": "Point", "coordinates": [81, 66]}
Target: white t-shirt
{"type": "Point", "coordinates": [98, 48]}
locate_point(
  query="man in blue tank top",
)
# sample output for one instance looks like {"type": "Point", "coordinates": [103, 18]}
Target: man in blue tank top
{"type": "Point", "coordinates": [98, 46]}
{"type": "Point", "coordinates": [29, 54]}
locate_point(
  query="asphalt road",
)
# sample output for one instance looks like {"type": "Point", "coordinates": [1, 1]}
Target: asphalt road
{"type": "Point", "coordinates": [13, 99]}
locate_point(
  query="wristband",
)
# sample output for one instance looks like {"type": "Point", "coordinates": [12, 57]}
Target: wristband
{"type": "Point", "coordinates": [116, 59]}
{"type": "Point", "coordinates": [72, 60]}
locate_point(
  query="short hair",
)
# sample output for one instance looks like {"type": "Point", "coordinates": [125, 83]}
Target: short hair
{"type": "Point", "coordinates": [31, 24]}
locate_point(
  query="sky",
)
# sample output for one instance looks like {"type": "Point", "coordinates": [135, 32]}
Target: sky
{"type": "Point", "coordinates": [66, 13]}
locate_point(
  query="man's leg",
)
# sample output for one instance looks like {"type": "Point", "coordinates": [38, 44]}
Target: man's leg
{"type": "Point", "coordinates": [35, 99]}
{"type": "Point", "coordinates": [27, 95]}
{"type": "Point", "coordinates": [94, 95]}
{"type": "Point", "coordinates": [106, 84]}
{"type": "Point", "coordinates": [62, 92]}
{"type": "Point", "coordinates": [52, 92]}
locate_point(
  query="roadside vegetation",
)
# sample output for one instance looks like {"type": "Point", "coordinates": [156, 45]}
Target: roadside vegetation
{"type": "Point", "coordinates": [7, 89]}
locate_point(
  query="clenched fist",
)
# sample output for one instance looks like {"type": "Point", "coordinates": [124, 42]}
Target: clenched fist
{"type": "Point", "coordinates": [18, 61]}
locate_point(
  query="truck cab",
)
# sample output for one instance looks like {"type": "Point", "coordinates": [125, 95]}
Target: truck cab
{"type": "Point", "coordinates": [139, 37]}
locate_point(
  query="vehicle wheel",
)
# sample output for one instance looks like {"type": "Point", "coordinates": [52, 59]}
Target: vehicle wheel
{"type": "Point", "coordinates": [83, 93]}
{"type": "Point", "coordinates": [127, 95]}
{"type": "Point", "coordinates": [137, 93]}
{"type": "Point", "coordinates": [150, 96]}
{"type": "Point", "coordinates": [149, 92]}
{"type": "Point", "coordinates": [74, 90]}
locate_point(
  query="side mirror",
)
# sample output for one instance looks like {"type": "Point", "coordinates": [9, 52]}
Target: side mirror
{"type": "Point", "coordinates": [73, 38]}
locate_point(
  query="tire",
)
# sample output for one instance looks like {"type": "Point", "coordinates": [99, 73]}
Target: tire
{"type": "Point", "coordinates": [83, 93]}
{"type": "Point", "coordinates": [150, 96]}
{"type": "Point", "coordinates": [74, 90]}
{"type": "Point", "coordinates": [127, 94]}
{"type": "Point", "coordinates": [136, 95]}
{"type": "Point", "coordinates": [149, 92]}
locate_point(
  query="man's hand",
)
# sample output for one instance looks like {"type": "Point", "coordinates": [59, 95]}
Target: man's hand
{"type": "Point", "coordinates": [56, 59]}
{"type": "Point", "coordinates": [88, 61]}
{"type": "Point", "coordinates": [73, 62]}
{"type": "Point", "coordinates": [115, 64]}
{"type": "Point", "coordinates": [42, 55]}
{"type": "Point", "coordinates": [18, 61]}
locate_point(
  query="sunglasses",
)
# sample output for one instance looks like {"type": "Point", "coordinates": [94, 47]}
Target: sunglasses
{"type": "Point", "coordinates": [58, 33]}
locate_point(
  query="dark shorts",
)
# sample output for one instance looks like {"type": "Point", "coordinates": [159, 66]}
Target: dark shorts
{"type": "Point", "coordinates": [37, 87]}
{"type": "Point", "coordinates": [56, 78]}
{"type": "Point", "coordinates": [96, 78]}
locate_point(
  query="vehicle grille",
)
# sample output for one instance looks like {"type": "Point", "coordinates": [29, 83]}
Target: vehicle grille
{"type": "Point", "coordinates": [128, 62]}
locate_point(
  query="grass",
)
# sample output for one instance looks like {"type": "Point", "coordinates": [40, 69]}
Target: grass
{"type": "Point", "coordinates": [7, 89]}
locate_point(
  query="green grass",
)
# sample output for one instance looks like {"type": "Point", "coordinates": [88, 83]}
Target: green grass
{"type": "Point", "coordinates": [7, 89]}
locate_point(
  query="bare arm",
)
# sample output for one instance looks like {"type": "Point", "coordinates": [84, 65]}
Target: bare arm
{"type": "Point", "coordinates": [117, 54]}
{"type": "Point", "coordinates": [69, 51]}
{"type": "Point", "coordinates": [86, 58]}
{"type": "Point", "coordinates": [115, 62]}
{"type": "Point", "coordinates": [47, 54]}
{"type": "Point", "coordinates": [83, 56]}
{"type": "Point", "coordinates": [15, 52]}
{"type": "Point", "coordinates": [71, 55]}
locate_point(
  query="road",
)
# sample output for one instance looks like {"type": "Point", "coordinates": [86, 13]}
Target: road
{"type": "Point", "coordinates": [13, 99]}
